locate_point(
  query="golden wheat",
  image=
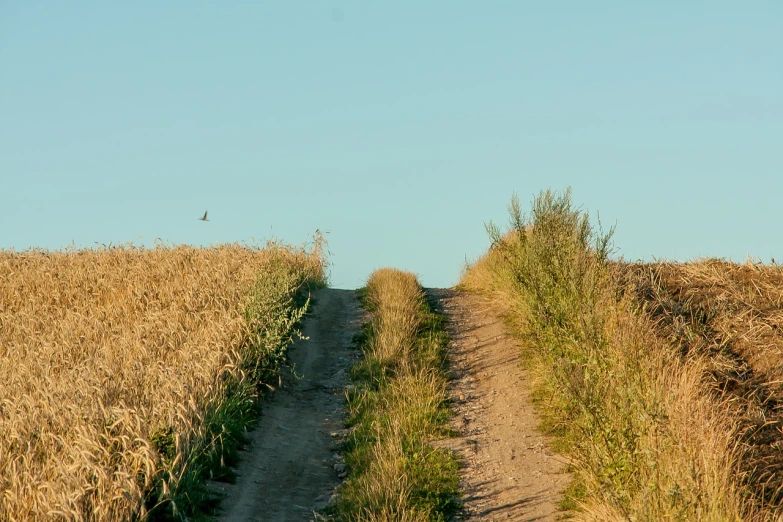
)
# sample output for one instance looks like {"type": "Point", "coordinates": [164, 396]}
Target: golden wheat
{"type": "Point", "coordinates": [102, 349]}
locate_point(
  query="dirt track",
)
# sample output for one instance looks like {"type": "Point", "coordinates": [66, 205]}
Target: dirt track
{"type": "Point", "coordinates": [509, 473]}
{"type": "Point", "coordinates": [288, 471]}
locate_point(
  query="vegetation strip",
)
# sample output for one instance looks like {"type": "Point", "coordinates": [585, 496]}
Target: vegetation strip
{"type": "Point", "coordinates": [397, 406]}
{"type": "Point", "coordinates": [648, 437]}
{"type": "Point", "coordinates": [127, 376]}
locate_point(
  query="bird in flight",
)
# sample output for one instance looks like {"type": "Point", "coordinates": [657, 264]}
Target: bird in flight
{"type": "Point", "coordinates": [204, 218]}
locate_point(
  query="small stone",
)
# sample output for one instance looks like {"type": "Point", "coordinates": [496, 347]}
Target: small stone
{"type": "Point", "coordinates": [339, 467]}
{"type": "Point", "coordinates": [321, 502]}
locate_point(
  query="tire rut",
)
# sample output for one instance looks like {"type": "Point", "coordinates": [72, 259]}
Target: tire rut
{"type": "Point", "coordinates": [508, 471]}
{"type": "Point", "coordinates": [288, 471]}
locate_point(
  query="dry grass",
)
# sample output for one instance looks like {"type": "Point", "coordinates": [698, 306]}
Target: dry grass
{"type": "Point", "coordinates": [115, 365]}
{"type": "Point", "coordinates": [395, 298]}
{"type": "Point", "coordinates": [397, 409]}
{"type": "Point", "coordinates": [731, 315]}
{"type": "Point", "coordinates": [648, 437]}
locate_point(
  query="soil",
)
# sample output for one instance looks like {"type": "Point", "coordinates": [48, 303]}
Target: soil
{"type": "Point", "coordinates": [508, 471]}
{"type": "Point", "coordinates": [290, 468]}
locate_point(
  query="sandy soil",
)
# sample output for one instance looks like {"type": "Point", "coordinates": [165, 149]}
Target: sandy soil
{"type": "Point", "coordinates": [508, 474]}
{"type": "Point", "coordinates": [290, 470]}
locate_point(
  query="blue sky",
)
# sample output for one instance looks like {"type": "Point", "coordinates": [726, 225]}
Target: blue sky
{"type": "Point", "coordinates": [400, 127]}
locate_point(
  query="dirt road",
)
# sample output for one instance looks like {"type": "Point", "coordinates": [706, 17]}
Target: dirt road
{"type": "Point", "coordinates": [509, 473]}
{"type": "Point", "coordinates": [288, 471]}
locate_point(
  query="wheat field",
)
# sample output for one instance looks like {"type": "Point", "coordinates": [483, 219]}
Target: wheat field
{"type": "Point", "coordinates": [113, 360]}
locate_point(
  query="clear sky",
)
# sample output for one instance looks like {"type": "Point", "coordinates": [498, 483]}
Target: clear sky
{"type": "Point", "coordinates": [399, 126]}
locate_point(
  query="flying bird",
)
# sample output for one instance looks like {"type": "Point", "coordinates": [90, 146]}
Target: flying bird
{"type": "Point", "coordinates": [204, 218]}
